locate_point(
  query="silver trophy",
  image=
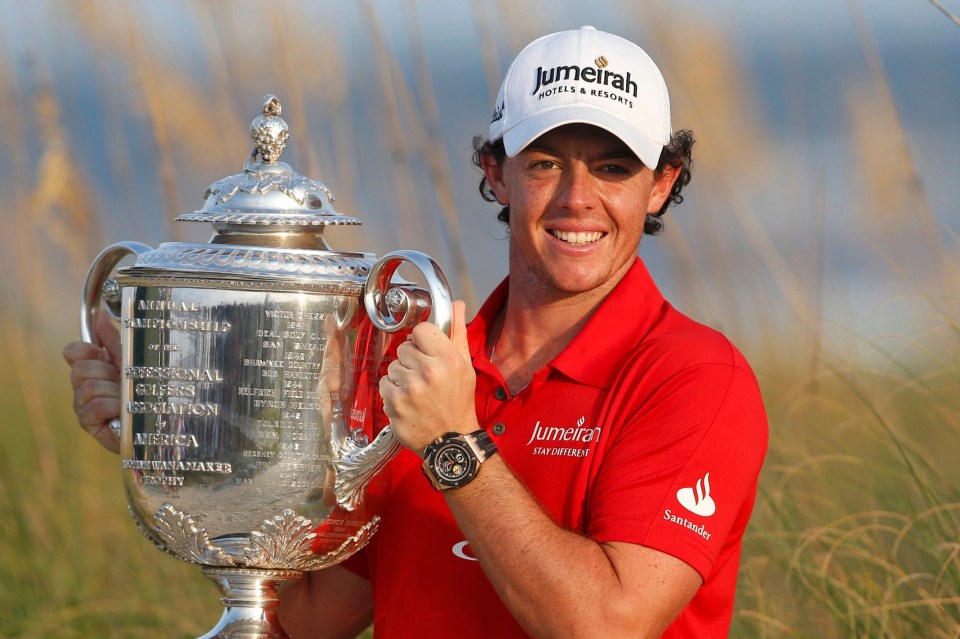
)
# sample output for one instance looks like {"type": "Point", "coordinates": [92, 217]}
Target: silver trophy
{"type": "Point", "coordinates": [250, 366]}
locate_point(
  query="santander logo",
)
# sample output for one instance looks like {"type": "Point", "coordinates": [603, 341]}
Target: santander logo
{"type": "Point", "coordinates": [699, 502]}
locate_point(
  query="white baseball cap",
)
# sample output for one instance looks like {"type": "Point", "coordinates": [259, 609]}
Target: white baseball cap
{"type": "Point", "coordinates": [586, 76]}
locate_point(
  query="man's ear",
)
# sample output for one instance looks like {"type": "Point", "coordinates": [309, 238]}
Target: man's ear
{"type": "Point", "coordinates": [663, 184]}
{"type": "Point", "coordinates": [493, 171]}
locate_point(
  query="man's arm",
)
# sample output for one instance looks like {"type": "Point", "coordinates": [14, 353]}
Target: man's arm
{"type": "Point", "coordinates": [554, 581]}
{"type": "Point", "coordinates": [332, 603]}
{"type": "Point", "coordinates": [560, 583]}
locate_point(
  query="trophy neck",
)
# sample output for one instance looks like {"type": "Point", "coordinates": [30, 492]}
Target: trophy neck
{"type": "Point", "coordinates": [277, 239]}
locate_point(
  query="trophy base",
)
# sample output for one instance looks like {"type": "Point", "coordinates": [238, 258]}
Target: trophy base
{"type": "Point", "coordinates": [250, 599]}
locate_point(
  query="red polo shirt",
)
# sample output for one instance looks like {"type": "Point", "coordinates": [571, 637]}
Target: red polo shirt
{"type": "Point", "coordinates": [648, 428]}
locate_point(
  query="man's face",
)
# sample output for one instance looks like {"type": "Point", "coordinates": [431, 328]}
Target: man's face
{"type": "Point", "coordinates": [578, 200]}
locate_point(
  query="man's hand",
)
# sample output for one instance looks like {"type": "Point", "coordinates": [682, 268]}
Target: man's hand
{"type": "Point", "coordinates": [95, 377]}
{"type": "Point", "coordinates": [429, 388]}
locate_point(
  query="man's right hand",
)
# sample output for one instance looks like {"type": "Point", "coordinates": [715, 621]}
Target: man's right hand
{"type": "Point", "coordinates": [95, 377]}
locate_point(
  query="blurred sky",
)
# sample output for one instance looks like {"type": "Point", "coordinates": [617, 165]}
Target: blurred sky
{"type": "Point", "coordinates": [803, 62]}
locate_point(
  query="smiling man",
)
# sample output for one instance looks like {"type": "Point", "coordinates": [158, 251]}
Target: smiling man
{"type": "Point", "coordinates": [594, 452]}
{"type": "Point", "coordinates": [582, 459]}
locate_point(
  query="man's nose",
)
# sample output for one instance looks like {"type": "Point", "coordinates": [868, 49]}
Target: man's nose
{"type": "Point", "coordinates": [577, 189]}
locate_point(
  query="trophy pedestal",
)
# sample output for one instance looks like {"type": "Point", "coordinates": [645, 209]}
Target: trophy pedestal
{"type": "Point", "coordinates": [250, 599]}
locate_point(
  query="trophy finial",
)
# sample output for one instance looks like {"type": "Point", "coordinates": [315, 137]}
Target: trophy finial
{"type": "Point", "coordinates": [269, 131]}
{"type": "Point", "coordinates": [268, 194]}
{"type": "Point", "coordinates": [271, 105]}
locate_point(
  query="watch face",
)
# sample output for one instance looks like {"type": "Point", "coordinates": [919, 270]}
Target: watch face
{"type": "Point", "coordinates": [452, 462]}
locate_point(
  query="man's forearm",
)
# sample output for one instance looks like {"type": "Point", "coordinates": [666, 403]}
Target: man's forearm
{"type": "Point", "coordinates": [554, 581]}
{"type": "Point", "coordinates": [332, 603]}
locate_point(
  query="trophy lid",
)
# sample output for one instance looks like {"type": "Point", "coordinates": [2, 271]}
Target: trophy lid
{"type": "Point", "coordinates": [268, 197]}
{"type": "Point", "coordinates": [268, 229]}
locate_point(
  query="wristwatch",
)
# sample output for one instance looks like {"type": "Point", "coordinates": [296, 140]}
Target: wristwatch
{"type": "Point", "coordinates": [454, 459]}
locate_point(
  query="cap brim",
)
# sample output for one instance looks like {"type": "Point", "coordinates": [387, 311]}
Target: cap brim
{"type": "Point", "coordinates": [520, 135]}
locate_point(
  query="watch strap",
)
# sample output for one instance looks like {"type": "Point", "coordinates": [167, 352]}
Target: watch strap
{"type": "Point", "coordinates": [483, 444]}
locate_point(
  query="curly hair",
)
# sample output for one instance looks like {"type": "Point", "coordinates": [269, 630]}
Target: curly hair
{"type": "Point", "coordinates": [677, 154]}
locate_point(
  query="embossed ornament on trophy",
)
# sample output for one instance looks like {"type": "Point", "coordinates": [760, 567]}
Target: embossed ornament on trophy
{"type": "Point", "coordinates": [242, 359]}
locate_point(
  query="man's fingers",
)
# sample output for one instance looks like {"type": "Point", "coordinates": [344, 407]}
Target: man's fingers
{"type": "Point", "coordinates": [387, 390]}
{"type": "Point", "coordinates": [86, 369]}
{"type": "Point", "coordinates": [77, 351]}
{"type": "Point", "coordinates": [93, 389]}
{"type": "Point", "coordinates": [459, 329]}
{"type": "Point", "coordinates": [98, 411]}
{"type": "Point", "coordinates": [429, 339]}
{"type": "Point", "coordinates": [95, 416]}
{"type": "Point", "coordinates": [104, 434]}
{"type": "Point", "coordinates": [397, 372]}
{"type": "Point", "coordinates": [109, 337]}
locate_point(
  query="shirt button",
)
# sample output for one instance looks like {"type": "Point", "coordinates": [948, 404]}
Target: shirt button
{"type": "Point", "coordinates": [499, 428]}
{"type": "Point", "coordinates": [500, 393]}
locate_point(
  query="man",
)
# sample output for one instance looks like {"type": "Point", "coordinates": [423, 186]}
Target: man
{"type": "Point", "coordinates": [591, 454]}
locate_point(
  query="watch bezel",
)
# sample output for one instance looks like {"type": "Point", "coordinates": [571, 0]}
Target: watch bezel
{"type": "Point", "coordinates": [470, 465]}
{"type": "Point", "coordinates": [461, 442]}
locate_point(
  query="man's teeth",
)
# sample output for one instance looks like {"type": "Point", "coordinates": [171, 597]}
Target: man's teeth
{"type": "Point", "coordinates": [577, 238]}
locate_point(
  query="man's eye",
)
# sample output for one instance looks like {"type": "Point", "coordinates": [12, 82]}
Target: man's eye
{"type": "Point", "coordinates": [544, 164]}
{"type": "Point", "coordinates": [614, 168]}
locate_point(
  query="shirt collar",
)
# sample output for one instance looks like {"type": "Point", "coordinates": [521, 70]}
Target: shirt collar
{"type": "Point", "coordinates": [480, 327]}
{"type": "Point", "coordinates": [598, 351]}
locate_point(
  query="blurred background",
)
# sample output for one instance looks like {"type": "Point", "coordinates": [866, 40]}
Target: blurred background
{"type": "Point", "coordinates": [820, 232]}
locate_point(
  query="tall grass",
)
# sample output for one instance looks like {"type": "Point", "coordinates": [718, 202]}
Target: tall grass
{"type": "Point", "coordinates": [857, 526]}
{"type": "Point", "coordinates": [73, 563]}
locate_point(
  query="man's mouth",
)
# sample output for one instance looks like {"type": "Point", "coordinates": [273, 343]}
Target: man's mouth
{"type": "Point", "coordinates": [578, 237]}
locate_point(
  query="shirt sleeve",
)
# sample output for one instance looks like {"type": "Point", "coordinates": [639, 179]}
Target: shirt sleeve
{"type": "Point", "coordinates": [680, 473]}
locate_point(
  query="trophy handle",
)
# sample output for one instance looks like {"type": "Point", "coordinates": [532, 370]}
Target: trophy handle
{"type": "Point", "coordinates": [99, 287]}
{"type": "Point", "coordinates": [408, 301]}
{"type": "Point", "coordinates": [357, 465]}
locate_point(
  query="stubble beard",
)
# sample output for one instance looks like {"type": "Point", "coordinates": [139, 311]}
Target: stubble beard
{"type": "Point", "coordinates": [537, 281]}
